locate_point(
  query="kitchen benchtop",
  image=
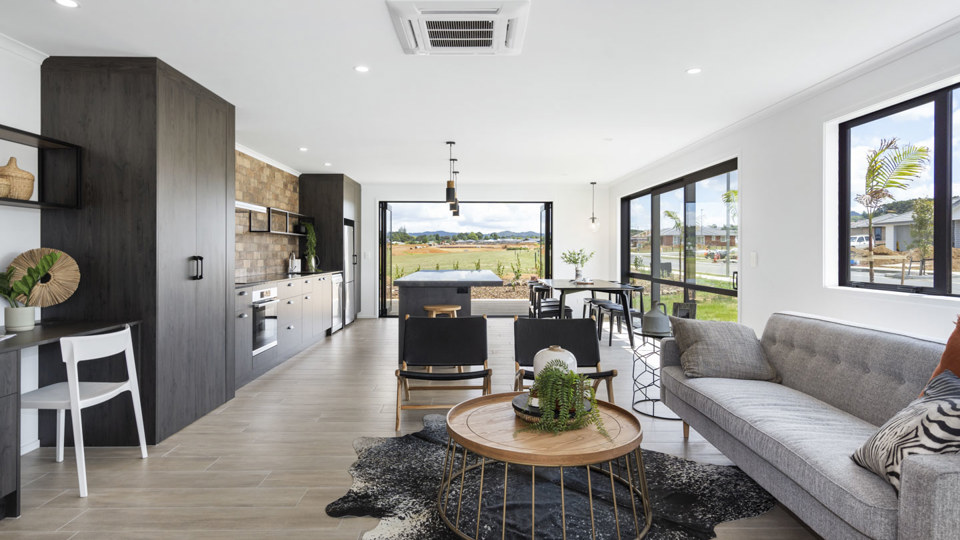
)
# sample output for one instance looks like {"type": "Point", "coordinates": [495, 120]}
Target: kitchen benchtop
{"type": "Point", "coordinates": [450, 278]}
{"type": "Point", "coordinates": [248, 281]}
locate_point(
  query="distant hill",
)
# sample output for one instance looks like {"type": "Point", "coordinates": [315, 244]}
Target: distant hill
{"type": "Point", "coordinates": [501, 234]}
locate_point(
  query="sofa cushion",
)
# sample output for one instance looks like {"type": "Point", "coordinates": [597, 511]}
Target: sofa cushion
{"type": "Point", "coordinates": [869, 373]}
{"type": "Point", "coordinates": [929, 425]}
{"type": "Point", "coordinates": [951, 354]}
{"type": "Point", "coordinates": [720, 349]}
{"type": "Point", "coordinates": [804, 438]}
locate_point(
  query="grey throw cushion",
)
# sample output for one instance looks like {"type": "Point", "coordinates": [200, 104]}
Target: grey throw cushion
{"type": "Point", "coordinates": [721, 349]}
{"type": "Point", "coordinates": [928, 425]}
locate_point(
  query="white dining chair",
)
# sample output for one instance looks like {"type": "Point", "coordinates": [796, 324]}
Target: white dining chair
{"type": "Point", "coordinates": [75, 395]}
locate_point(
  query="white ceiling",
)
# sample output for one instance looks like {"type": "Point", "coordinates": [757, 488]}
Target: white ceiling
{"type": "Point", "coordinates": [599, 90]}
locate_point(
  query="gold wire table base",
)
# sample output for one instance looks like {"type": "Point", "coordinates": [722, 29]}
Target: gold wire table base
{"type": "Point", "coordinates": [463, 470]}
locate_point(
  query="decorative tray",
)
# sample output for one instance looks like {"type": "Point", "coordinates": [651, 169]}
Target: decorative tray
{"type": "Point", "coordinates": [531, 413]}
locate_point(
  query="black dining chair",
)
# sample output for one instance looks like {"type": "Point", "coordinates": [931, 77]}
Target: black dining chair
{"type": "Point", "coordinates": [442, 342]}
{"type": "Point", "coordinates": [575, 335]}
{"type": "Point", "coordinates": [543, 306]}
{"type": "Point", "coordinates": [614, 311]}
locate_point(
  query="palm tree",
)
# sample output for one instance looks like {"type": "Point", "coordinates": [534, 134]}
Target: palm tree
{"type": "Point", "coordinates": [889, 167]}
{"type": "Point", "coordinates": [678, 225]}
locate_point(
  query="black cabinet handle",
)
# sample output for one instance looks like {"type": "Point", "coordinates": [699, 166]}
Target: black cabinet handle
{"type": "Point", "coordinates": [243, 315]}
{"type": "Point", "coordinates": [290, 284]}
{"type": "Point", "coordinates": [736, 280]}
{"type": "Point", "coordinates": [199, 271]}
{"type": "Point", "coordinates": [242, 293]}
{"type": "Point", "coordinates": [306, 297]}
{"type": "Point", "coordinates": [289, 302]}
{"type": "Point", "coordinates": [290, 327]}
{"type": "Point", "coordinates": [354, 259]}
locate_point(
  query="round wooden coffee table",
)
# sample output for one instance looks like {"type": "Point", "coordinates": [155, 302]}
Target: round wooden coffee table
{"type": "Point", "coordinates": [485, 436]}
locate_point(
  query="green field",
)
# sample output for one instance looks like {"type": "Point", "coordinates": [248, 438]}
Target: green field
{"type": "Point", "coordinates": [409, 261]}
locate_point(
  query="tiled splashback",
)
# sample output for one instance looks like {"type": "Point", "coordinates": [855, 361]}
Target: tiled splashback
{"type": "Point", "coordinates": [265, 185]}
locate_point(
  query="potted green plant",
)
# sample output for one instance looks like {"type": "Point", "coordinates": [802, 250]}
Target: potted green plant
{"type": "Point", "coordinates": [578, 259]}
{"type": "Point", "coordinates": [311, 251]}
{"type": "Point", "coordinates": [560, 394]}
{"type": "Point", "coordinates": [21, 314]}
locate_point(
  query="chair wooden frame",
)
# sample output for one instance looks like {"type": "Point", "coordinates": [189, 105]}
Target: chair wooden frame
{"type": "Point", "coordinates": [404, 375]}
{"type": "Point", "coordinates": [75, 395]}
{"type": "Point", "coordinates": [524, 372]}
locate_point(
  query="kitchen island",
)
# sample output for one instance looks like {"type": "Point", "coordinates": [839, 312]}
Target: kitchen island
{"type": "Point", "coordinates": [429, 287]}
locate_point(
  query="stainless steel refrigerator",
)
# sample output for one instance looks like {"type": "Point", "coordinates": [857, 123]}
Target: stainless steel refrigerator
{"type": "Point", "coordinates": [351, 303]}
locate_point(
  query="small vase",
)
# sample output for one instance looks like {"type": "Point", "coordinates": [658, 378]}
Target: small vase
{"type": "Point", "coordinates": [19, 319]}
{"type": "Point", "coordinates": [579, 273]}
{"type": "Point", "coordinates": [553, 352]}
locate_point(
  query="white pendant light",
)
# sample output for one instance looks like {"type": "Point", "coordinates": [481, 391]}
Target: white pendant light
{"type": "Point", "coordinates": [594, 220]}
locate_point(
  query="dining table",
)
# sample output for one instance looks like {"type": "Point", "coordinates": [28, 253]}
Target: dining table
{"type": "Point", "coordinates": [622, 290]}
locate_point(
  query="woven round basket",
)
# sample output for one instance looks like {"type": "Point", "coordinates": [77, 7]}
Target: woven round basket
{"type": "Point", "coordinates": [20, 181]}
{"type": "Point", "coordinates": [56, 286]}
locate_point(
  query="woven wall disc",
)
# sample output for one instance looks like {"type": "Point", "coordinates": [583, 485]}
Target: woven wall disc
{"type": "Point", "coordinates": [64, 277]}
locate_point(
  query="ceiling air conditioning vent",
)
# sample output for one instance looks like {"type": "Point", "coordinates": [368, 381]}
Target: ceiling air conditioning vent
{"type": "Point", "coordinates": [460, 26]}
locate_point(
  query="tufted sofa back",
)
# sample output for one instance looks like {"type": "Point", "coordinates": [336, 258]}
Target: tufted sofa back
{"type": "Point", "coordinates": [869, 373]}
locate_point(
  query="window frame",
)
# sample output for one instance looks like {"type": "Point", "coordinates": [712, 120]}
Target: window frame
{"type": "Point", "coordinates": [942, 197]}
{"type": "Point", "coordinates": [688, 184]}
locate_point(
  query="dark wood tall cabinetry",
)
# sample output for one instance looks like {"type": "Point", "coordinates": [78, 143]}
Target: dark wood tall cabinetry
{"type": "Point", "coordinates": [154, 238]}
{"type": "Point", "coordinates": [333, 200]}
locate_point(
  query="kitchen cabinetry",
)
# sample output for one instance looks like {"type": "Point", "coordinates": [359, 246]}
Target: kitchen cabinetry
{"type": "Point", "coordinates": [155, 236]}
{"type": "Point", "coordinates": [243, 344]}
{"type": "Point", "coordinates": [9, 434]}
{"type": "Point", "coordinates": [290, 323]}
{"type": "Point", "coordinates": [324, 318]}
{"type": "Point", "coordinates": [333, 200]}
{"type": "Point", "coordinates": [304, 317]}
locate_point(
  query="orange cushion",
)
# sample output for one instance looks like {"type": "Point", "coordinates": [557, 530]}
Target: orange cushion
{"type": "Point", "coordinates": [951, 354]}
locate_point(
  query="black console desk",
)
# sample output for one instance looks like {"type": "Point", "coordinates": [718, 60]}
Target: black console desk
{"type": "Point", "coordinates": [46, 336]}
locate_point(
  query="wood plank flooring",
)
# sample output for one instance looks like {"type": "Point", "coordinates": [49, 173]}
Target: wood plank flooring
{"type": "Point", "coordinates": [266, 464]}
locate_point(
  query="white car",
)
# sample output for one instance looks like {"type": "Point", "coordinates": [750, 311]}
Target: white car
{"type": "Point", "coordinates": [860, 241]}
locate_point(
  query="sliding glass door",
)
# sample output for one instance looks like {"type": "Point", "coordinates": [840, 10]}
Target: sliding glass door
{"type": "Point", "coordinates": [680, 241]}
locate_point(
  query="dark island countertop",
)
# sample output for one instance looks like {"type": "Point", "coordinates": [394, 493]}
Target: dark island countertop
{"type": "Point", "coordinates": [248, 281]}
{"type": "Point", "coordinates": [450, 278]}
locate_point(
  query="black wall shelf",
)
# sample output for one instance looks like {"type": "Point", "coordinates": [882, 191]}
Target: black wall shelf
{"type": "Point", "coordinates": [54, 157]}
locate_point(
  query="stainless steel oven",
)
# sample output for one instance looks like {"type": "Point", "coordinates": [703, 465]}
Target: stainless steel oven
{"type": "Point", "coordinates": [265, 304]}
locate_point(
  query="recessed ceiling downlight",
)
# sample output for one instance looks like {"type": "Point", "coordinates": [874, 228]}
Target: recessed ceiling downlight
{"type": "Point", "coordinates": [68, 3]}
{"type": "Point", "coordinates": [361, 69]}
{"type": "Point", "coordinates": [303, 148]}
{"type": "Point", "coordinates": [694, 71]}
{"type": "Point", "coordinates": [328, 164]}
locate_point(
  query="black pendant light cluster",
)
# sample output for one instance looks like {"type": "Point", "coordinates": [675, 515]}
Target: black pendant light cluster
{"type": "Point", "coordinates": [452, 183]}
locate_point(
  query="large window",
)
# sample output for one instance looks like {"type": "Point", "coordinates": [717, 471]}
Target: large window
{"type": "Point", "coordinates": [680, 241]}
{"type": "Point", "coordinates": [899, 219]}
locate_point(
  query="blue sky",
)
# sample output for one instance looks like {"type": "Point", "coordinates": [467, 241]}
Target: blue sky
{"type": "Point", "coordinates": [474, 217]}
{"type": "Point", "coordinates": [710, 208]}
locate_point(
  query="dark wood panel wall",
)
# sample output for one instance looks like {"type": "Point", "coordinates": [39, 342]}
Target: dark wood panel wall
{"type": "Point", "coordinates": [158, 185]}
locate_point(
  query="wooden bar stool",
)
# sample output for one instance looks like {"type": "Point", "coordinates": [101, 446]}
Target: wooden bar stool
{"type": "Point", "coordinates": [440, 309]}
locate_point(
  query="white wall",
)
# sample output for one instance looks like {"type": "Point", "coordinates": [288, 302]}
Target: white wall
{"type": "Point", "coordinates": [571, 212]}
{"type": "Point", "coordinates": [20, 227]}
{"type": "Point", "coordinates": [788, 194]}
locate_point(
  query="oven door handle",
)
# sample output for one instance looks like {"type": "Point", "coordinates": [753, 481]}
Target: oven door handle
{"type": "Point", "coordinates": [265, 303]}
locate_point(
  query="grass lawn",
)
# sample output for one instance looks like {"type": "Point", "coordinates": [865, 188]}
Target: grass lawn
{"type": "Point", "coordinates": [408, 261]}
{"type": "Point", "coordinates": [710, 307]}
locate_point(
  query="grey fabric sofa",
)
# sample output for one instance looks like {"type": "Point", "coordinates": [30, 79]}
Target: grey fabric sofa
{"type": "Point", "coordinates": [840, 383]}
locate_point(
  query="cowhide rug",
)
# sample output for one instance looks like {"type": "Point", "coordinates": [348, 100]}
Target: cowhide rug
{"type": "Point", "coordinates": [396, 479]}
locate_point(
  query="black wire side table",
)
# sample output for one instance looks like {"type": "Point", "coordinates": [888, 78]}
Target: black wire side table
{"type": "Point", "coordinates": [646, 378]}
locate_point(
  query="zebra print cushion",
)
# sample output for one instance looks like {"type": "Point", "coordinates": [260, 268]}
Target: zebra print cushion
{"type": "Point", "coordinates": [928, 425]}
